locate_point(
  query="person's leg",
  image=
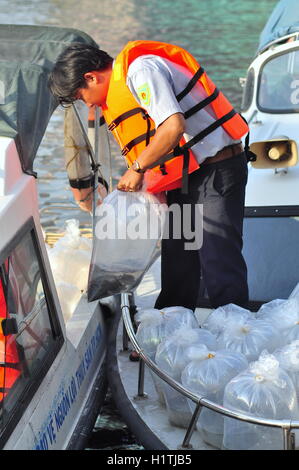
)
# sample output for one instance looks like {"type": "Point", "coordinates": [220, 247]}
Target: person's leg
{"type": "Point", "coordinates": [223, 266]}
{"type": "Point", "coordinates": [220, 188]}
{"type": "Point", "coordinates": [180, 268]}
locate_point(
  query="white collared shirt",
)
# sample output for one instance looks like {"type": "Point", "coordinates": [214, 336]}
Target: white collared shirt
{"type": "Point", "coordinates": [155, 82]}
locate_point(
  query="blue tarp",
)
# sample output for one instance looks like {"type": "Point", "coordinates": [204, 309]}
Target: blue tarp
{"type": "Point", "coordinates": [283, 20]}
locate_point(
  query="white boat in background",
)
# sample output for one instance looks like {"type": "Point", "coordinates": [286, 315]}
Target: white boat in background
{"type": "Point", "coordinates": [271, 234]}
{"type": "Point", "coordinates": [271, 106]}
{"type": "Point", "coordinates": [52, 371]}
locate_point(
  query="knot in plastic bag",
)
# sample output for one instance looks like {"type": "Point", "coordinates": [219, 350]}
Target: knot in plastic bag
{"type": "Point", "coordinates": [267, 368]}
{"type": "Point", "coordinates": [237, 328]}
{"type": "Point", "coordinates": [200, 353]}
{"type": "Point", "coordinates": [221, 316]}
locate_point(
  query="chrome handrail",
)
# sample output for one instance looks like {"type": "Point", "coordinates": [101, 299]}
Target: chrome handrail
{"type": "Point", "coordinates": [286, 425]}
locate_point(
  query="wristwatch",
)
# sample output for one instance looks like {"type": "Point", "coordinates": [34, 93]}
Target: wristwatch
{"type": "Point", "coordinates": [136, 167]}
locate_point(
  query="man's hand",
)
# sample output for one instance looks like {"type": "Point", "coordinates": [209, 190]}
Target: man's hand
{"type": "Point", "coordinates": [130, 181]}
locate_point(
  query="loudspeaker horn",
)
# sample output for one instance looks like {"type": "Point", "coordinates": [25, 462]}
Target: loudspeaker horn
{"type": "Point", "coordinates": [279, 152]}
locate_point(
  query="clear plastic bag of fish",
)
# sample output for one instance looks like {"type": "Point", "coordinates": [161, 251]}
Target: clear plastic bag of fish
{"type": "Point", "coordinates": [128, 232]}
{"type": "Point", "coordinates": [155, 325]}
{"type": "Point", "coordinates": [70, 259]}
{"type": "Point", "coordinates": [217, 320]}
{"type": "Point", "coordinates": [264, 390]}
{"type": "Point", "coordinates": [172, 357]}
{"type": "Point", "coordinates": [70, 256]}
{"type": "Point", "coordinates": [282, 313]}
{"type": "Point", "coordinates": [291, 334]}
{"type": "Point", "coordinates": [207, 375]}
{"type": "Point", "coordinates": [288, 358]}
{"type": "Point", "coordinates": [249, 337]}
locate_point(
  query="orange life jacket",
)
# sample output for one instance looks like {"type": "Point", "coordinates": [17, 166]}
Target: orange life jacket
{"type": "Point", "coordinates": [9, 358]}
{"type": "Point", "coordinates": [133, 128]}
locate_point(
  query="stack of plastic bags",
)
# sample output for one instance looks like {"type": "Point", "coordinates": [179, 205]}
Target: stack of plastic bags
{"type": "Point", "coordinates": [172, 357]}
{"type": "Point", "coordinates": [154, 326]}
{"type": "Point", "coordinates": [69, 260]}
{"type": "Point", "coordinates": [249, 364]}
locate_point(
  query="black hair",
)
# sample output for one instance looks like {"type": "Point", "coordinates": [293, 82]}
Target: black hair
{"type": "Point", "coordinates": [67, 75]}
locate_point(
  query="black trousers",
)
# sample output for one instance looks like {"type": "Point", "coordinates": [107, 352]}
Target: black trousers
{"type": "Point", "coordinates": [218, 265]}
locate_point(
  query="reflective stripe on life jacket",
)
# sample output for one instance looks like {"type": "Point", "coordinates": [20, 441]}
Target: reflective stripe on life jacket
{"type": "Point", "coordinates": [9, 358]}
{"type": "Point", "coordinates": [133, 128]}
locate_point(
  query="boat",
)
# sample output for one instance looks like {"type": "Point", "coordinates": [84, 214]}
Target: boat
{"type": "Point", "coordinates": [271, 230]}
{"type": "Point", "coordinates": [53, 378]}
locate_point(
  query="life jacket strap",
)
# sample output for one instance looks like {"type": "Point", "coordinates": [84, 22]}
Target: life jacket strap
{"type": "Point", "coordinates": [191, 84]}
{"type": "Point", "coordinates": [91, 122]}
{"type": "Point", "coordinates": [163, 169]}
{"type": "Point", "coordinates": [122, 117]}
{"type": "Point", "coordinates": [185, 173]}
{"type": "Point", "coordinates": [136, 141]}
{"type": "Point", "coordinates": [212, 127]}
{"type": "Point", "coordinates": [251, 157]}
{"type": "Point", "coordinates": [82, 183]}
{"type": "Point", "coordinates": [10, 365]}
{"type": "Point", "coordinates": [202, 104]}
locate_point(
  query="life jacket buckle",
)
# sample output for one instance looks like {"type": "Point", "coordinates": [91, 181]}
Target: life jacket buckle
{"type": "Point", "coordinates": [125, 151]}
{"type": "Point", "coordinates": [112, 126]}
{"type": "Point", "coordinates": [163, 169]}
{"type": "Point", "coordinates": [145, 115]}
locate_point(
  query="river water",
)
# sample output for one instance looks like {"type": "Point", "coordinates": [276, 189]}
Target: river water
{"type": "Point", "coordinates": [221, 34]}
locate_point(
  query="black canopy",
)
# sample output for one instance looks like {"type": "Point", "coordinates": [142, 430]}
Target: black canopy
{"type": "Point", "coordinates": [27, 55]}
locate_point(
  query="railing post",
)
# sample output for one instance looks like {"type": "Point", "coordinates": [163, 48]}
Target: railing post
{"type": "Point", "coordinates": [186, 442]}
{"type": "Point", "coordinates": [125, 338]}
{"type": "Point", "coordinates": [288, 439]}
{"type": "Point", "coordinates": [141, 394]}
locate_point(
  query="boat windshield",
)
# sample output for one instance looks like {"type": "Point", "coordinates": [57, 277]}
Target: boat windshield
{"type": "Point", "coordinates": [278, 90]}
{"type": "Point", "coordinates": [30, 335]}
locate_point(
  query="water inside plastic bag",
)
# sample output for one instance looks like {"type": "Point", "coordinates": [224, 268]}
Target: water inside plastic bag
{"type": "Point", "coordinates": [154, 326]}
{"type": "Point", "coordinates": [263, 390]}
{"type": "Point", "coordinates": [172, 357]}
{"type": "Point", "coordinates": [288, 358]}
{"type": "Point", "coordinates": [128, 232]}
{"type": "Point", "coordinates": [207, 375]}
{"type": "Point", "coordinates": [69, 260]}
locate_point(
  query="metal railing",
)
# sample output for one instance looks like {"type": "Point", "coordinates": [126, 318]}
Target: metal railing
{"type": "Point", "coordinates": [200, 401]}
